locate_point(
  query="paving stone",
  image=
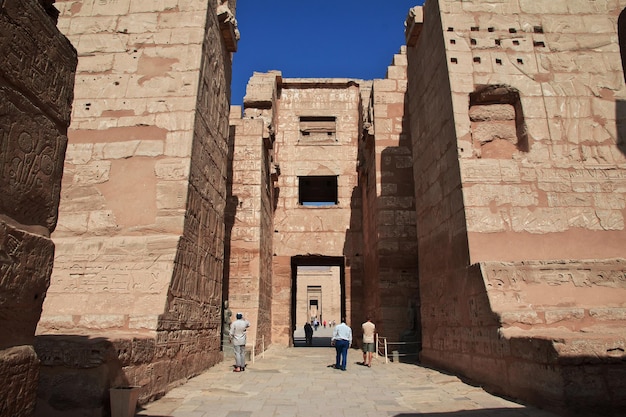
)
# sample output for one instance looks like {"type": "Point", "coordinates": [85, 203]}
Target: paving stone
{"type": "Point", "coordinates": [298, 381]}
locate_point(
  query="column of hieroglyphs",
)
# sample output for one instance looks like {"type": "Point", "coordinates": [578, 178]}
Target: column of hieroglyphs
{"type": "Point", "coordinates": [140, 237]}
{"type": "Point", "coordinates": [36, 81]}
{"type": "Point", "coordinates": [397, 285]}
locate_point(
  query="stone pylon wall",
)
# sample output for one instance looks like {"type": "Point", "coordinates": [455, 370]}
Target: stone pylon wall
{"type": "Point", "coordinates": [36, 86]}
{"type": "Point", "coordinates": [331, 232]}
{"type": "Point", "coordinates": [519, 165]}
{"type": "Point", "coordinates": [140, 239]}
{"type": "Point", "coordinates": [251, 203]}
{"type": "Point", "coordinates": [393, 280]}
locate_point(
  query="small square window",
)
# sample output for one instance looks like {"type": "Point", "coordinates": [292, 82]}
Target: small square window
{"type": "Point", "coordinates": [318, 129]}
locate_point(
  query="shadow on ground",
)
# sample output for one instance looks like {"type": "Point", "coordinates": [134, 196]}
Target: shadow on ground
{"type": "Point", "coordinates": [317, 342]}
{"type": "Point", "coordinates": [485, 412]}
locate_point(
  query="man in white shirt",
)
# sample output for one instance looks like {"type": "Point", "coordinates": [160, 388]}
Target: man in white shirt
{"type": "Point", "coordinates": [238, 339]}
{"type": "Point", "coordinates": [342, 339]}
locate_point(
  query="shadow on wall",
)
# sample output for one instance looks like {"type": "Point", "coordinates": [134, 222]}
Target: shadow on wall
{"type": "Point", "coordinates": [232, 201]}
{"type": "Point", "coordinates": [620, 120]}
{"type": "Point", "coordinates": [76, 373]}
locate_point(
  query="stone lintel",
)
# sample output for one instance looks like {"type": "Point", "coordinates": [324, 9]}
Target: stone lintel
{"type": "Point", "coordinates": [319, 82]}
{"type": "Point", "coordinates": [228, 27]}
{"type": "Point", "coordinates": [413, 25]}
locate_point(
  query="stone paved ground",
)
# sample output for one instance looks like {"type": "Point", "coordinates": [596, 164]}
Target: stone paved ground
{"type": "Point", "coordinates": [298, 382]}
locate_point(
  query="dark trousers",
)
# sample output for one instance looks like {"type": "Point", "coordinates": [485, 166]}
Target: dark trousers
{"type": "Point", "coordinates": [341, 346]}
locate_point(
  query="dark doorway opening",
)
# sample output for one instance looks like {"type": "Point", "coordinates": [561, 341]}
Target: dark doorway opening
{"type": "Point", "coordinates": [317, 293]}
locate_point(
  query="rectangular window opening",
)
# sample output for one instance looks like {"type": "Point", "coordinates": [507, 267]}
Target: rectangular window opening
{"type": "Point", "coordinates": [317, 190]}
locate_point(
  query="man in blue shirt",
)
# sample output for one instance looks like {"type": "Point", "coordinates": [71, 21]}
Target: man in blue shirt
{"type": "Point", "coordinates": [342, 339]}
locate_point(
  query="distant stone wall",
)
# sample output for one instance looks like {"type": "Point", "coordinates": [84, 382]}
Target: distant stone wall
{"type": "Point", "coordinates": [140, 240]}
{"type": "Point", "coordinates": [36, 87]}
{"type": "Point", "coordinates": [332, 230]}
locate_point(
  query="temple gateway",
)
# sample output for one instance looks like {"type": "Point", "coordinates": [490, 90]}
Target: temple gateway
{"type": "Point", "coordinates": [472, 202]}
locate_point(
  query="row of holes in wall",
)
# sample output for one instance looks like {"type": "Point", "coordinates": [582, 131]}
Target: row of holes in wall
{"type": "Point", "coordinates": [478, 60]}
{"type": "Point", "coordinates": [498, 42]}
{"type": "Point", "coordinates": [536, 29]}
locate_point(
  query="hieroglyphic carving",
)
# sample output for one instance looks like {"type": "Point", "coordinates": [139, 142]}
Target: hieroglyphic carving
{"type": "Point", "coordinates": [120, 277]}
{"type": "Point", "coordinates": [513, 275]}
{"type": "Point", "coordinates": [31, 162]}
{"type": "Point", "coordinates": [25, 267]}
{"type": "Point", "coordinates": [49, 74]}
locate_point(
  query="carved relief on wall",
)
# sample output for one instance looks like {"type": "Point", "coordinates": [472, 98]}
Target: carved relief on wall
{"type": "Point", "coordinates": [25, 267]}
{"type": "Point", "coordinates": [31, 163]}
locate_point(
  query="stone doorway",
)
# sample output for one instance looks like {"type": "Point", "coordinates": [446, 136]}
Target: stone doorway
{"type": "Point", "coordinates": [318, 293]}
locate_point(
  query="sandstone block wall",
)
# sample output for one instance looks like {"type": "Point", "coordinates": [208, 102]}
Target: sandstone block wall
{"type": "Point", "coordinates": [251, 206]}
{"type": "Point", "coordinates": [551, 184]}
{"type": "Point", "coordinates": [518, 158]}
{"type": "Point", "coordinates": [141, 233]}
{"type": "Point", "coordinates": [36, 86]}
{"type": "Point", "coordinates": [393, 282]}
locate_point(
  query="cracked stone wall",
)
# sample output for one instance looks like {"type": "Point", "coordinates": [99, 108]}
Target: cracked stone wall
{"type": "Point", "coordinates": [36, 86]}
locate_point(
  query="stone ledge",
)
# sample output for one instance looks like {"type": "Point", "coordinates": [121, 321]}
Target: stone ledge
{"type": "Point", "coordinates": [600, 344]}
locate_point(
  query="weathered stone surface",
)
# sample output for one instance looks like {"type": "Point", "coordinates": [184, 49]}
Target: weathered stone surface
{"type": "Point", "coordinates": [513, 163]}
{"type": "Point", "coordinates": [26, 264]}
{"type": "Point", "coordinates": [31, 156]}
{"type": "Point", "coordinates": [36, 84]}
{"type": "Point", "coordinates": [141, 236]}
{"type": "Point", "coordinates": [19, 368]}
{"type": "Point", "coordinates": [492, 147]}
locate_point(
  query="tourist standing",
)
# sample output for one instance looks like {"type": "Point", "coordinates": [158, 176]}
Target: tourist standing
{"type": "Point", "coordinates": [342, 339]}
{"type": "Point", "coordinates": [368, 342]}
{"type": "Point", "coordinates": [238, 339]}
{"type": "Point", "coordinates": [308, 333]}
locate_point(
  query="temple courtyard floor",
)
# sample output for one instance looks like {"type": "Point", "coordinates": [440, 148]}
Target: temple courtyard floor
{"type": "Point", "coordinates": [301, 381]}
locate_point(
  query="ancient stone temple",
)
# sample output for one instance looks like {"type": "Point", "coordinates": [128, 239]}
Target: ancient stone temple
{"type": "Point", "coordinates": [322, 180]}
{"type": "Point", "coordinates": [472, 202]}
{"type": "Point", "coordinates": [36, 79]}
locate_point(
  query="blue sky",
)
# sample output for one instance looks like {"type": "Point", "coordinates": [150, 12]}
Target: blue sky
{"type": "Point", "coordinates": [317, 39]}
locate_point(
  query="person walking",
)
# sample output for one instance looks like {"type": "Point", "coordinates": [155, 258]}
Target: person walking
{"type": "Point", "coordinates": [238, 339]}
{"type": "Point", "coordinates": [342, 339]}
{"type": "Point", "coordinates": [369, 329]}
{"type": "Point", "coordinates": [308, 334]}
